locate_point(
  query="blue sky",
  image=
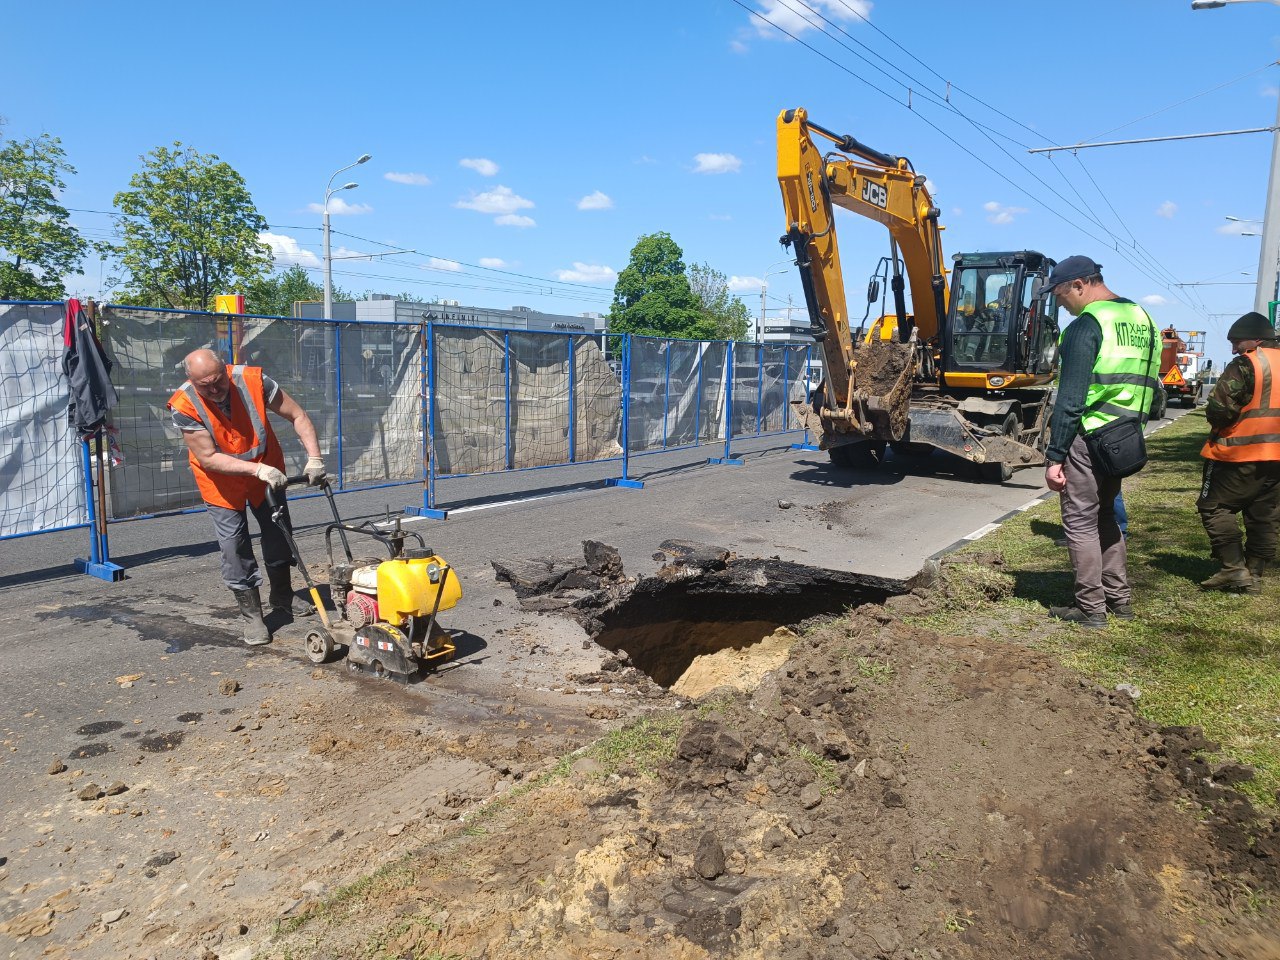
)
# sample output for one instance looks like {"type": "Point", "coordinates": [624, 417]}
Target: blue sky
{"type": "Point", "coordinates": [521, 149]}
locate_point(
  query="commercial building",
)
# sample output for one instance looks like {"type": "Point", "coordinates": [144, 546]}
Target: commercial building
{"type": "Point", "coordinates": [386, 309]}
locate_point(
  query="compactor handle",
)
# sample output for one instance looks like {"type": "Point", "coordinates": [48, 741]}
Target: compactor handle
{"type": "Point", "coordinates": [275, 498]}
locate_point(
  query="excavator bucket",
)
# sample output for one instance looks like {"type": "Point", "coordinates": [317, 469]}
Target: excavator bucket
{"type": "Point", "coordinates": [881, 388]}
{"type": "Point", "coordinates": [941, 426]}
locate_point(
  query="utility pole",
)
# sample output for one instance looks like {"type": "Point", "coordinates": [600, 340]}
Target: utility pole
{"type": "Point", "coordinates": [1269, 255]}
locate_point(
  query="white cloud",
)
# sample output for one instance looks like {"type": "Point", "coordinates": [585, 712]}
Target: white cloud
{"type": "Point", "coordinates": [1167, 209]}
{"type": "Point", "coordinates": [343, 253]}
{"type": "Point", "coordinates": [587, 273]}
{"type": "Point", "coordinates": [596, 201]}
{"type": "Point", "coordinates": [1235, 228]}
{"type": "Point", "coordinates": [411, 179]}
{"type": "Point", "coordinates": [737, 46]}
{"type": "Point", "coordinates": [493, 263]}
{"type": "Point", "coordinates": [719, 216]}
{"type": "Point", "coordinates": [744, 284]}
{"type": "Point", "coordinates": [717, 163]}
{"type": "Point", "coordinates": [498, 200]}
{"type": "Point", "coordinates": [999, 214]}
{"type": "Point", "coordinates": [797, 18]}
{"type": "Point", "coordinates": [436, 263]}
{"type": "Point", "coordinates": [486, 168]}
{"type": "Point", "coordinates": [515, 220]}
{"type": "Point", "coordinates": [340, 208]}
{"type": "Point", "coordinates": [930, 186]}
{"type": "Point", "coordinates": [957, 211]}
{"type": "Point", "coordinates": [285, 251]}
{"type": "Point", "coordinates": [1155, 300]}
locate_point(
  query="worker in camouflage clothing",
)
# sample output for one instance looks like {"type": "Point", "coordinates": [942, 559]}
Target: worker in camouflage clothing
{"type": "Point", "coordinates": [1242, 458]}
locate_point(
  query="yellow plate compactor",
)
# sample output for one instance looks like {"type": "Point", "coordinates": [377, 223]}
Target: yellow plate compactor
{"type": "Point", "coordinates": [384, 610]}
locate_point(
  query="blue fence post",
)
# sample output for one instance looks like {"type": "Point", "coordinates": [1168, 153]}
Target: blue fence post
{"type": "Point", "coordinates": [808, 379]}
{"type": "Point", "coordinates": [337, 354]}
{"type": "Point", "coordinates": [625, 480]}
{"type": "Point", "coordinates": [759, 386]}
{"type": "Point", "coordinates": [99, 563]}
{"type": "Point", "coordinates": [728, 459]}
{"type": "Point", "coordinates": [428, 508]}
{"type": "Point", "coordinates": [666, 394]}
{"type": "Point", "coordinates": [573, 420]}
{"type": "Point", "coordinates": [697, 408]}
{"type": "Point", "coordinates": [506, 366]}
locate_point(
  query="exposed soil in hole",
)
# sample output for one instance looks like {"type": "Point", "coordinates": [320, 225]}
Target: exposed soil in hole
{"type": "Point", "coordinates": [663, 626]}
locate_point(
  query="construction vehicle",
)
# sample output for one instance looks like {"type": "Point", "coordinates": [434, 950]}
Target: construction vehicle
{"type": "Point", "coordinates": [384, 611]}
{"type": "Point", "coordinates": [969, 371]}
{"type": "Point", "coordinates": [1180, 359]}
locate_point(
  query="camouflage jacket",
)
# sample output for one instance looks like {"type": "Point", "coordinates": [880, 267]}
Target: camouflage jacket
{"type": "Point", "coordinates": [1233, 390]}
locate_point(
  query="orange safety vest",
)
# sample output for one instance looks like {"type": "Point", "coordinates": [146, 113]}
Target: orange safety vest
{"type": "Point", "coordinates": [1256, 434]}
{"type": "Point", "coordinates": [246, 435]}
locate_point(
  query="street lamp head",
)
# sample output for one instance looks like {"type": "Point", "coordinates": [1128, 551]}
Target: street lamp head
{"type": "Point", "coordinates": [1207, 4]}
{"type": "Point", "coordinates": [365, 158]}
{"type": "Point", "coordinates": [349, 186]}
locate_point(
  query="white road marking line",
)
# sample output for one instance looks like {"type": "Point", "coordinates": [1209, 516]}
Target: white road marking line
{"type": "Point", "coordinates": [482, 506]}
{"type": "Point", "coordinates": [982, 532]}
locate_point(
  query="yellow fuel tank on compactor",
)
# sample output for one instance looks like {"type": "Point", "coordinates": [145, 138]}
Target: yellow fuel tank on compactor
{"type": "Point", "coordinates": [409, 587]}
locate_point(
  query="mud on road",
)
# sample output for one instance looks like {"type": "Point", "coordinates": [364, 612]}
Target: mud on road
{"type": "Point", "coordinates": [879, 790]}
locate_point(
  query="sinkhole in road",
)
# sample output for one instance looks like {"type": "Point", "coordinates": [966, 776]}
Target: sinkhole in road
{"type": "Point", "coordinates": [672, 628]}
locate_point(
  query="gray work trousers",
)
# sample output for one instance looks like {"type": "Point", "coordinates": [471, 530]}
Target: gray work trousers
{"type": "Point", "coordinates": [239, 568]}
{"type": "Point", "coordinates": [1251, 489]}
{"type": "Point", "coordinates": [1094, 540]}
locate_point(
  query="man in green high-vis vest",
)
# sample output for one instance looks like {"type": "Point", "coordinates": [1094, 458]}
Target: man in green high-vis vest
{"type": "Point", "coordinates": [1109, 369]}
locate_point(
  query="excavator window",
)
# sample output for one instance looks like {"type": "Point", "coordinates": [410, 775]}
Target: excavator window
{"type": "Point", "coordinates": [980, 337]}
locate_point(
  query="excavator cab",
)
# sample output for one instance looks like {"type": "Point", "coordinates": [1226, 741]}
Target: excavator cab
{"type": "Point", "coordinates": [997, 329]}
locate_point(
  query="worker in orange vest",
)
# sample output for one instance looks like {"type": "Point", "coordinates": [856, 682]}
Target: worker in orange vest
{"type": "Point", "coordinates": [234, 454]}
{"type": "Point", "coordinates": [1242, 458]}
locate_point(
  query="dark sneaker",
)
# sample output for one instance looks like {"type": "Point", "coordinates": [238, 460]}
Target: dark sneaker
{"type": "Point", "coordinates": [1121, 611]}
{"type": "Point", "coordinates": [1074, 614]}
{"type": "Point", "coordinates": [1060, 542]}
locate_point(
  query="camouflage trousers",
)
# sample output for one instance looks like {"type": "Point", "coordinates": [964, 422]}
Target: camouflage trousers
{"type": "Point", "coordinates": [1249, 489]}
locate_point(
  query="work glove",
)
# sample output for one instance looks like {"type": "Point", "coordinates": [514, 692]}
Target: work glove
{"type": "Point", "coordinates": [314, 471]}
{"type": "Point", "coordinates": [271, 476]}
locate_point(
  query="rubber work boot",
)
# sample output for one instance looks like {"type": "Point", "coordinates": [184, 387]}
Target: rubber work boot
{"type": "Point", "coordinates": [255, 630]}
{"type": "Point", "coordinates": [1074, 614]}
{"type": "Point", "coordinates": [1257, 567]}
{"type": "Point", "coordinates": [1121, 611]}
{"type": "Point", "coordinates": [1234, 576]}
{"type": "Point", "coordinates": [282, 596]}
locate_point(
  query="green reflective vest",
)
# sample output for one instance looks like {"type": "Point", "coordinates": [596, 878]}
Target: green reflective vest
{"type": "Point", "coordinates": [1126, 373]}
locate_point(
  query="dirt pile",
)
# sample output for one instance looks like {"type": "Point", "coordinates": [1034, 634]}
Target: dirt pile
{"type": "Point", "coordinates": [888, 793]}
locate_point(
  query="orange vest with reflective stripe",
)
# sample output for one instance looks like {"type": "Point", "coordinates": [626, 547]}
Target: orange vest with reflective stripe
{"type": "Point", "coordinates": [1256, 434]}
{"type": "Point", "coordinates": [246, 435]}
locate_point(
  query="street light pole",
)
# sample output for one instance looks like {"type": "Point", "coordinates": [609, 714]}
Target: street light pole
{"type": "Point", "coordinates": [764, 289]}
{"type": "Point", "coordinates": [329, 191]}
{"type": "Point", "coordinates": [1269, 256]}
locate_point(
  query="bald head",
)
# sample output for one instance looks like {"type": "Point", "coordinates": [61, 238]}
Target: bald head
{"type": "Point", "coordinates": [208, 374]}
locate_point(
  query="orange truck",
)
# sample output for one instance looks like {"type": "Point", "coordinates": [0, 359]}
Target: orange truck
{"type": "Point", "coordinates": [1181, 355]}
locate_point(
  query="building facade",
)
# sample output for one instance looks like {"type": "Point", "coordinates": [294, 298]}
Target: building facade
{"type": "Point", "coordinates": [389, 310]}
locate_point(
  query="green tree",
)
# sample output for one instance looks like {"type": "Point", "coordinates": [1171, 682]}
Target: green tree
{"type": "Point", "coordinates": [727, 315]}
{"type": "Point", "coordinates": [38, 244]}
{"type": "Point", "coordinates": [653, 296]}
{"type": "Point", "coordinates": [276, 294]}
{"type": "Point", "coordinates": [189, 231]}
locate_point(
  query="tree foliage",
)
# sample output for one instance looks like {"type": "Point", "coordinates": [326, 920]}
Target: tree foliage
{"type": "Point", "coordinates": [652, 295]}
{"type": "Point", "coordinates": [275, 295]}
{"type": "Point", "coordinates": [189, 231]}
{"type": "Point", "coordinates": [656, 296]}
{"type": "Point", "coordinates": [726, 314]}
{"type": "Point", "coordinates": [38, 244]}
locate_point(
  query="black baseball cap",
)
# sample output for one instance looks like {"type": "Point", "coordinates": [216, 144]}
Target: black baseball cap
{"type": "Point", "coordinates": [1072, 268]}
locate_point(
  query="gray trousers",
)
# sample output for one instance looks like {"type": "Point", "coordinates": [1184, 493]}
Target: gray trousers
{"type": "Point", "coordinates": [1094, 540]}
{"type": "Point", "coordinates": [239, 568]}
{"type": "Point", "coordinates": [1251, 489]}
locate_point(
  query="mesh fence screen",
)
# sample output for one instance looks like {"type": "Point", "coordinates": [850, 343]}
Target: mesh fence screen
{"type": "Point", "coordinates": [502, 400]}
{"type": "Point", "coordinates": [766, 377]}
{"type": "Point", "coordinates": [147, 347]}
{"type": "Point", "coordinates": [41, 480]}
{"type": "Point", "coordinates": [677, 393]}
{"type": "Point", "coordinates": [382, 413]}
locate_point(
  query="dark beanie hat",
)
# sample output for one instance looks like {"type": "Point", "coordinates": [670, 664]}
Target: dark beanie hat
{"type": "Point", "coordinates": [1252, 326]}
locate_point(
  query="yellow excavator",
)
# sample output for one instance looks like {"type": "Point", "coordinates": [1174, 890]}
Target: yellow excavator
{"type": "Point", "coordinates": [970, 370]}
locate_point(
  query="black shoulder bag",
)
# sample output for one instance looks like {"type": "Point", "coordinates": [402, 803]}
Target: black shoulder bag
{"type": "Point", "coordinates": [1119, 449]}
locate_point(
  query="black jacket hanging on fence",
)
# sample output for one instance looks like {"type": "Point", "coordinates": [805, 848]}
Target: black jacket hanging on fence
{"type": "Point", "coordinates": [88, 371]}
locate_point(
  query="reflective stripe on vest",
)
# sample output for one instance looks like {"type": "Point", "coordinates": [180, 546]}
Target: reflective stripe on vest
{"type": "Point", "coordinates": [1125, 373]}
{"type": "Point", "coordinates": [1255, 435]}
{"type": "Point", "coordinates": [260, 434]}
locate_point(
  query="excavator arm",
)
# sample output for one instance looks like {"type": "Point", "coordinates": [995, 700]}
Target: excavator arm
{"type": "Point", "coordinates": [883, 188]}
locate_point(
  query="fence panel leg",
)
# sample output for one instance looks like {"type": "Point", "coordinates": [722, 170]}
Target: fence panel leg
{"type": "Point", "coordinates": [99, 562]}
{"type": "Point", "coordinates": [428, 508]}
{"type": "Point", "coordinates": [728, 460]}
{"type": "Point", "coordinates": [625, 480]}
